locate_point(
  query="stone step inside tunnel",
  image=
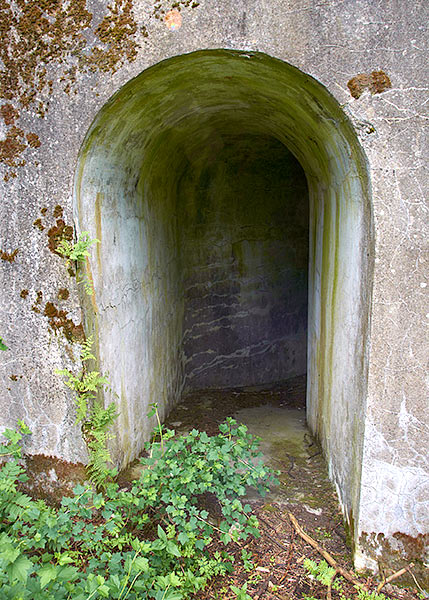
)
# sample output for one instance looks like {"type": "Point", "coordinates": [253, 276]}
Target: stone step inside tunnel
{"type": "Point", "coordinates": [230, 196]}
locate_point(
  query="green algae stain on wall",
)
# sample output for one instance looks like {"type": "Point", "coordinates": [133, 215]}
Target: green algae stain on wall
{"type": "Point", "coordinates": [98, 229]}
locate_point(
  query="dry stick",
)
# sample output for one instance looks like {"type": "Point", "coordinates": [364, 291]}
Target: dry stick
{"type": "Point", "coordinates": [289, 556]}
{"type": "Point", "coordinates": [285, 548]}
{"type": "Point", "coordinates": [326, 555]}
{"type": "Point", "coordinates": [415, 580]}
{"type": "Point", "coordinates": [394, 576]}
{"type": "Point", "coordinates": [292, 464]}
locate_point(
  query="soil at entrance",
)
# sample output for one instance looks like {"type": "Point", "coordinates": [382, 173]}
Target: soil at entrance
{"type": "Point", "coordinates": [277, 415]}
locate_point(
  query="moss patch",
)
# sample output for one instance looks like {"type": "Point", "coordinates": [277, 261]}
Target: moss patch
{"type": "Point", "coordinates": [376, 82]}
{"type": "Point", "coordinates": [63, 294]}
{"type": "Point", "coordinates": [9, 114]}
{"type": "Point", "coordinates": [33, 140]}
{"type": "Point", "coordinates": [59, 231]}
{"type": "Point", "coordinates": [12, 147]}
{"type": "Point", "coordinates": [398, 551]}
{"type": "Point", "coordinates": [38, 224]}
{"type": "Point", "coordinates": [8, 256]}
{"type": "Point", "coordinates": [50, 478]}
{"type": "Point", "coordinates": [58, 321]}
{"type": "Point", "coordinates": [58, 212]}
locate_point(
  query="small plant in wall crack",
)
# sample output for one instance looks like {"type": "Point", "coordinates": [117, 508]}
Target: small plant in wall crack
{"type": "Point", "coordinates": [3, 345]}
{"type": "Point", "coordinates": [77, 252]}
{"type": "Point", "coordinates": [95, 420]}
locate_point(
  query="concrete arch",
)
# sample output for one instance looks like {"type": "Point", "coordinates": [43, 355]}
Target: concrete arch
{"type": "Point", "coordinates": [129, 170]}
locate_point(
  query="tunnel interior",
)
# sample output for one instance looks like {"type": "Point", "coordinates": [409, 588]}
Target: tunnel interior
{"type": "Point", "coordinates": [231, 199]}
{"type": "Point", "coordinates": [242, 214]}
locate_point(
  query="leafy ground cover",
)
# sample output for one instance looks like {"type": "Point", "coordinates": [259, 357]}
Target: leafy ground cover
{"type": "Point", "coordinates": [155, 540]}
{"type": "Point", "coordinates": [184, 528]}
{"type": "Point", "coordinates": [277, 569]}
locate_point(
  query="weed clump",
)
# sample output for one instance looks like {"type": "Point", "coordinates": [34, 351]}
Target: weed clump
{"type": "Point", "coordinates": [153, 541]}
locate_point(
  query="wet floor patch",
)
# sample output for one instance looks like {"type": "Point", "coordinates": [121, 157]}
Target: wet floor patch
{"type": "Point", "coordinates": [288, 447]}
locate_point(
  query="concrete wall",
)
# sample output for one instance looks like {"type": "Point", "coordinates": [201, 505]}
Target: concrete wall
{"type": "Point", "coordinates": [380, 466]}
{"type": "Point", "coordinates": [200, 276]}
{"type": "Point", "coordinates": [243, 209]}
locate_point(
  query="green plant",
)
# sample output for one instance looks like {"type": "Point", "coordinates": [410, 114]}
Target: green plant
{"type": "Point", "coordinates": [95, 420]}
{"type": "Point", "coordinates": [241, 593]}
{"type": "Point", "coordinates": [3, 345]}
{"type": "Point", "coordinates": [78, 252]}
{"type": "Point", "coordinates": [14, 436]}
{"type": "Point", "coordinates": [246, 557]}
{"type": "Point", "coordinates": [328, 577]}
{"type": "Point", "coordinates": [323, 533]}
{"type": "Point", "coordinates": [153, 541]}
{"type": "Point", "coordinates": [159, 429]}
{"type": "Point", "coordinates": [320, 571]}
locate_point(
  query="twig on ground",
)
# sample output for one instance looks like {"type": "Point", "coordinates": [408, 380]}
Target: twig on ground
{"type": "Point", "coordinates": [331, 561]}
{"type": "Point", "coordinates": [262, 588]}
{"type": "Point", "coordinates": [289, 556]}
{"type": "Point", "coordinates": [415, 581]}
{"type": "Point", "coordinates": [277, 543]}
{"type": "Point", "coordinates": [292, 464]}
{"type": "Point", "coordinates": [308, 441]}
{"type": "Point", "coordinates": [315, 454]}
{"type": "Point", "coordinates": [394, 576]}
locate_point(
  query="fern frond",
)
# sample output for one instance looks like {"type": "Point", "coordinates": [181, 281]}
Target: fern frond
{"type": "Point", "coordinates": [92, 381]}
{"type": "Point", "coordinates": [86, 349]}
{"type": "Point", "coordinates": [64, 248]}
{"type": "Point", "coordinates": [98, 467]}
{"type": "Point", "coordinates": [102, 418]}
{"type": "Point", "coordinates": [80, 249]}
{"type": "Point", "coordinates": [82, 407]}
{"type": "Point", "coordinates": [94, 418]}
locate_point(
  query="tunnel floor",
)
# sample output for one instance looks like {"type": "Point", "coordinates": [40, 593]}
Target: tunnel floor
{"type": "Point", "coordinates": [276, 415]}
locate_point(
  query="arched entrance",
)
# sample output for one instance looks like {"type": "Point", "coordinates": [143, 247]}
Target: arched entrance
{"type": "Point", "coordinates": [162, 181]}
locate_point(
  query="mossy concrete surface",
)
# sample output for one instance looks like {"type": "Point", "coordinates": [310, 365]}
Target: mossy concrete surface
{"type": "Point", "coordinates": [242, 213]}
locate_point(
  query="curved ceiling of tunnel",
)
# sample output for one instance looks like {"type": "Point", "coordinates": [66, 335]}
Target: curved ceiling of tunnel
{"type": "Point", "coordinates": [174, 108]}
{"type": "Point", "coordinates": [133, 159]}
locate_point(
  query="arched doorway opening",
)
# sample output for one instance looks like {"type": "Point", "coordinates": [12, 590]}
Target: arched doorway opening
{"type": "Point", "coordinates": [192, 176]}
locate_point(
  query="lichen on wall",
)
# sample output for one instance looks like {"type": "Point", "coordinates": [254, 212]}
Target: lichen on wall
{"type": "Point", "coordinates": [49, 40]}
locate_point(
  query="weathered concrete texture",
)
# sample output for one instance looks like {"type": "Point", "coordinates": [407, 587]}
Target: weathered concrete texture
{"type": "Point", "coordinates": [243, 222]}
{"type": "Point", "coordinates": [373, 428]}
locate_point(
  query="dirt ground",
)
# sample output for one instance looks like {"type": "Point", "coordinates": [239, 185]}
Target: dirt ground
{"type": "Point", "coordinates": [276, 570]}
